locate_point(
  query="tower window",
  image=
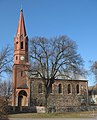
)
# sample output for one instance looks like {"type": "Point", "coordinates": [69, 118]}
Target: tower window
{"type": "Point", "coordinates": [69, 88]}
{"type": "Point", "coordinates": [22, 45]}
{"type": "Point", "coordinates": [16, 57]}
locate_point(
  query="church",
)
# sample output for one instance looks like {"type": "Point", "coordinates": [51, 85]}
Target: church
{"type": "Point", "coordinates": [65, 95]}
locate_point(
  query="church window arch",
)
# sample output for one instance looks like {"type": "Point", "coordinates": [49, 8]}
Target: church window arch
{"type": "Point", "coordinates": [77, 88]}
{"type": "Point", "coordinates": [69, 88]}
{"type": "Point", "coordinates": [40, 88]}
{"type": "Point", "coordinates": [16, 57]}
{"type": "Point", "coordinates": [60, 88]}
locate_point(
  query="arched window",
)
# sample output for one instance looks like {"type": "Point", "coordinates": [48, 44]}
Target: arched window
{"type": "Point", "coordinates": [77, 88]}
{"type": "Point", "coordinates": [22, 45]}
{"type": "Point", "coordinates": [69, 88]}
{"type": "Point", "coordinates": [60, 88]}
{"type": "Point", "coordinates": [16, 57]}
{"type": "Point", "coordinates": [40, 88]}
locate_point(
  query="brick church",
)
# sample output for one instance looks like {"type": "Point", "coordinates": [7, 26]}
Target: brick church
{"type": "Point", "coordinates": [27, 91]}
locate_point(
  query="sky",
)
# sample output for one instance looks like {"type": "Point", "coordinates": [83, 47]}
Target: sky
{"type": "Point", "coordinates": [75, 18]}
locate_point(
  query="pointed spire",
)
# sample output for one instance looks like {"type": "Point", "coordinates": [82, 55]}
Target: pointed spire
{"type": "Point", "coordinates": [21, 25]}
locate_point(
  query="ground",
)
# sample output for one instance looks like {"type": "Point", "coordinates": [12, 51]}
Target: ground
{"type": "Point", "coordinates": [54, 119]}
{"type": "Point", "coordinates": [85, 114]}
{"type": "Point", "coordinates": [88, 115]}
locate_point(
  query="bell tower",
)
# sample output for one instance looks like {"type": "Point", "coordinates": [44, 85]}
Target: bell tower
{"type": "Point", "coordinates": [21, 42]}
{"type": "Point", "coordinates": [20, 82]}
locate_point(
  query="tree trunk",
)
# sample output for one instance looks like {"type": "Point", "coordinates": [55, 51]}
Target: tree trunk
{"type": "Point", "coordinates": [46, 99]}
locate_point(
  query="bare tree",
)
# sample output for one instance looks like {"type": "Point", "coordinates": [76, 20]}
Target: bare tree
{"type": "Point", "coordinates": [5, 60]}
{"type": "Point", "coordinates": [3, 109]}
{"type": "Point", "coordinates": [54, 57]}
{"type": "Point", "coordinates": [94, 70]}
{"type": "Point", "coordinates": [5, 88]}
{"type": "Point", "coordinates": [5, 64]}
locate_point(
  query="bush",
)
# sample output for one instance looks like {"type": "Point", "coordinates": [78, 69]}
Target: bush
{"type": "Point", "coordinates": [3, 108]}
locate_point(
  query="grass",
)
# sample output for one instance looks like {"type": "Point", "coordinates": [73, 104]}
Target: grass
{"type": "Point", "coordinates": [87, 114]}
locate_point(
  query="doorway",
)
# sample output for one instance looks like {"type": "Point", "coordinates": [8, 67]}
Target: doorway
{"type": "Point", "coordinates": [22, 98]}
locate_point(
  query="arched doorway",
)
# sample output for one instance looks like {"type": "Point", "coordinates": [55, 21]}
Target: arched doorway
{"type": "Point", "coordinates": [22, 98]}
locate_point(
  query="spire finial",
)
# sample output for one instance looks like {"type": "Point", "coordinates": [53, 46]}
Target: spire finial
{"type": "Point", "coordinates": [21, 8]}
{"type": "Point", "coordinates": [21, 25]}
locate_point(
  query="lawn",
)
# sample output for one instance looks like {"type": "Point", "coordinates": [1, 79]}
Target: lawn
{"type": "Point", "coordinates": [87, 114]}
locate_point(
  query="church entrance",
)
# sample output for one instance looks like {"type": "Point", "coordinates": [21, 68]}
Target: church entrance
{"type": "Point", "coordinates": [22, 98]}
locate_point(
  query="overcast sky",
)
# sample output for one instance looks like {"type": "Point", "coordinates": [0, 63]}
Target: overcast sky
{"type": "Point", "coordinates": [75, 18]}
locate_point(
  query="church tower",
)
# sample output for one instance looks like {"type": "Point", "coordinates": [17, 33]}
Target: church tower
{"type": "Point", "coordinates": [20, 82]}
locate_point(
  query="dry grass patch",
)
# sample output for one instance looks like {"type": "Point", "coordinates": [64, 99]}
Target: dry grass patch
{"type": "Point", "coordinates": [87, 114]}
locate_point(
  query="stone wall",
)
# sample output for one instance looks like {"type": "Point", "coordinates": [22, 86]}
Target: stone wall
{"type": "Point", "coordinates": [63, 99]}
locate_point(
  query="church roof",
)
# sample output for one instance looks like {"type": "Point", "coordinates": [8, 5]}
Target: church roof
{"type": "Point", "coordinates": [21, 25]}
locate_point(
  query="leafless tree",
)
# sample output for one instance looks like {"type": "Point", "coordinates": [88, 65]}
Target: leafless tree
{"type": "Point", "coordinates": [3, 109]}
{"type": "Point", "coordinates": [5, 67]}
{"type": "Point", "coordinates": [5, 94]}
{"type": "Point", "coordinates": [5, 88]}
{"type": "Point", "coordinates": [5, 60]}
{"type": "Point", "coordinates": [54, 57]}
{"type": "Point", "coordinates": [94, 70]}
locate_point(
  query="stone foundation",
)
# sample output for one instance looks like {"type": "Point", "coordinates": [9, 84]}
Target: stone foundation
{"type": "Point", "coordinates": [39, 109]}
{"type": "Point", "coordinates": [72, 109]}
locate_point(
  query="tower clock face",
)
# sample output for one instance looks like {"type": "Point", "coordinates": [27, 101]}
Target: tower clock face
{"type": "Point", "coordinates": [22, 57]}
